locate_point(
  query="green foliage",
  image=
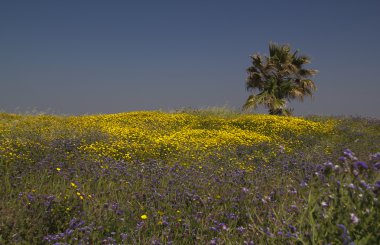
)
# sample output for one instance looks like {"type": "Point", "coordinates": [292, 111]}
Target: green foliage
{"type": "Point", "coordinates": [278, 79]}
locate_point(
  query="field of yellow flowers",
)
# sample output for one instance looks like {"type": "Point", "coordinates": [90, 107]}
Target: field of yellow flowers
{"type": "Point", "coordinates": [187, 177]}
{"type": "Point", "coordinates": [155, 135]}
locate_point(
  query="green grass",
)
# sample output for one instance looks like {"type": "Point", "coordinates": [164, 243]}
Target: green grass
{"type": "Point", "coordinates": [311, 195]}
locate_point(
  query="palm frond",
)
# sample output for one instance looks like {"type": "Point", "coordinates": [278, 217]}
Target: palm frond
{"type": "Point", "coordinates": [264, 98]}
{"type": "Point", "coordinates": [307, 72]}
{"type": "Point", "coordinates": [252, 102]}
{"type": "Point", "coordinates": [273, 49]}
{"type": "Point", "coordinates": [301, 60]}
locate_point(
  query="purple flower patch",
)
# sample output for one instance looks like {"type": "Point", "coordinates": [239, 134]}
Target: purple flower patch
{"type": "Point", "coordinates": [360, 165]}
{"type": "Point", "coordinates": [377, 184]}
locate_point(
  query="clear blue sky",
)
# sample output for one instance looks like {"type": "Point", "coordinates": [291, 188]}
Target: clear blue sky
{"type": "Point", "coordinates": [77, 57]}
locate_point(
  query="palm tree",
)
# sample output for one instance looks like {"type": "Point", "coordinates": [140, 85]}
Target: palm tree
{"type": "Point", "coordinates": [277, 79]}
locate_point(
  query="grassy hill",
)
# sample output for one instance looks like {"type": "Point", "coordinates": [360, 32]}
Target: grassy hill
{"type": "Point", "coordinates": [188, 177]}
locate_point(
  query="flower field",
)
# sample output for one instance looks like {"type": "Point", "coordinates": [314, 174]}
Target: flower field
{"type": "Point", "coordinates": [189, 177]}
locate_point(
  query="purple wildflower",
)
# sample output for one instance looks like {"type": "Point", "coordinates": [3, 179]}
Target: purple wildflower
{"type": "Point", "coordinates": [292, 228]}
{"type": "Point", "coordinates": [294, 207]}
{"type": "Point", "coordinates": [75, 223]}
{"type": "Point", "coordinates": [345, 236]}
{"type": "Point", "coordinates": [223, 226]}
{"type": "Point", "coordinates": [267, 231]}
{"type": "Point", "coordinates": [303, 183]}
{"type": "Point", "coordinates": [68, 232]}
{"type": "Point", "coordinates": [324, 204]}
{"type": "Point", "coordinates": [354, 218]}
{"type": "Point", "coordinates": [288, 234]}
{"type": "Point", "coordinates": [30, 197]}
{"type": "Point", "coordinates": [377, 184]}
{"type": "Point", "coordinates": [232, 216]}
{"type": "Point", "coordinates": [49, 200]}
{"type": "Point", "coordinates": [360, 165]}
{"type": "Point", "coordinates": [343, 159]}
{"type": "Point", "coordinates": [240, 229]}
{"type": "Point", "coordinates": [140, 225]}
{"type": "Point", "coordinates": [319, 167]}
{"type": "Point", "coordinates": [213, 241]}
{"type": "Point", "coordinates": [375, 156]}
{"type": "Point", "coordinates": [292, 190]}
{"type": "Point", "coordinates": [155, 242]}
{"type": "Point", "coordinates": [109, 240]}
{"type": "Point", "coordinates": [365, 185]}
{"type": "Point", "coordinates": [114, 206]}
{"type": "Point", "coordinates": [249, 243]}
{"type": "Point", "coordinates": [348, 153]}
{"type": "Point", "coordinates": [214, 229]}
{"type": "Point", "coordinates": [123, 236]}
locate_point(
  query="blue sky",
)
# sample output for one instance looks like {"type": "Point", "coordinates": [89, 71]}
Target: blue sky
{"type": "Point", "coordinates": [78, 57]}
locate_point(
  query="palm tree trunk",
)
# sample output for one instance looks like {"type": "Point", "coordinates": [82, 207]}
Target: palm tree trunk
{"type": "Point", "coordinates": [278, 112]}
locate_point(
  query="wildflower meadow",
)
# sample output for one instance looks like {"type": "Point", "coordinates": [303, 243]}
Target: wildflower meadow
{"type": "Point", "coordinates": [189, 177]}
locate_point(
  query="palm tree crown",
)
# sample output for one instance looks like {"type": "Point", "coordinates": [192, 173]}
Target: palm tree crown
{"type": "Point", "coordinates": [278, 79]}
